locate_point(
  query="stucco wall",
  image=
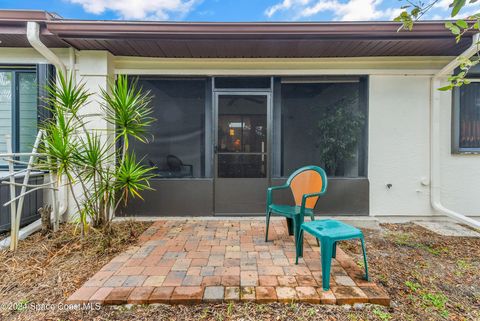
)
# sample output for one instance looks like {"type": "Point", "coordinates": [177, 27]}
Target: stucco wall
{"type": "Point", "coordinates": [460, 178]}
{"type": "Point", "coordinates": [399, 151]}
{"type": "Point", "coordinates": [399, 145]}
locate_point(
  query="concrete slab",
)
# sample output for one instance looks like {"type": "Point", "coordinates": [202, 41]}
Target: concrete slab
{"type": "Point", "coordinates": [448, 229]}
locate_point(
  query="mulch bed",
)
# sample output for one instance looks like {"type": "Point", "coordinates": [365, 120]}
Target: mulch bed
{"type": "Point", "coordinates": [429, 277]}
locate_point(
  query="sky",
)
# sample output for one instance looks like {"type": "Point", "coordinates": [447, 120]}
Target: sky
{"type": "Point", "coordinates": [231, 10]}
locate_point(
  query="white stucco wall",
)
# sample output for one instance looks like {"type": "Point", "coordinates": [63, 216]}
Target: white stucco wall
{"type": "Point", "coordinates": [399, 151]}
{"type": "Point", "coordinates": [399, 145]}
{"type": "Point", "coordinates": [460, 173]}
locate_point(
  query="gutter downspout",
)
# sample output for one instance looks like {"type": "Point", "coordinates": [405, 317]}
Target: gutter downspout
{"type": "Point", "coordinates": [435, 143]}
{"type": "Point", "coordinates": [33, 36]}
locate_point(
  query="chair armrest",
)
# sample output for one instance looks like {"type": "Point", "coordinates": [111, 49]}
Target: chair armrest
{"type": "Point", "coordinates": [304, 201]}
{"type": "Point", "coordinates": [270, 190]}
{"type": "Point", "coordinates": [273, 188]}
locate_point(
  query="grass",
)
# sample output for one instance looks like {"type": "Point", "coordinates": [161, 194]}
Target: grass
{"type": "Point", "coordinates": [382, 315]}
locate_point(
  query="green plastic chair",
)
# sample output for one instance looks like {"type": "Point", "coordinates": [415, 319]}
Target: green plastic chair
{"type": "Point", "coordinates": [329, 232]}
{"type": "Point", "coordinates": [307, 185]}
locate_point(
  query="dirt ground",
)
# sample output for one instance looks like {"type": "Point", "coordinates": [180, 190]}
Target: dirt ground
{"type": "Point", "coordinates": [429, 277]}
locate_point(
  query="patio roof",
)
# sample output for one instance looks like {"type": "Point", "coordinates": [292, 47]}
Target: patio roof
{"type": "Point", "coordinates": [233, 40]}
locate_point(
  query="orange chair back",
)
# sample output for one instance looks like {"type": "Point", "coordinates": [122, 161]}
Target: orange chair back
{"type": "Point", "coordinates": [307, 180]}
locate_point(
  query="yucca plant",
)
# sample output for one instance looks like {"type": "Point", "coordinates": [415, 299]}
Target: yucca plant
{"type": "Point", "coordinates": [99, 175]}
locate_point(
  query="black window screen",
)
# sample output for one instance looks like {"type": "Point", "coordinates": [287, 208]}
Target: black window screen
{"type": "Point", "coordinates": [469, 116]}
{"type": "Point", "coordinates": [177, 137]}
{"type": "Point", "coordinates": [323, 123]}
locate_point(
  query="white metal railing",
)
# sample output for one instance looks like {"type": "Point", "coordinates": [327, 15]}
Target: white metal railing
{"type": "Point", "coordinates": [16, 201]}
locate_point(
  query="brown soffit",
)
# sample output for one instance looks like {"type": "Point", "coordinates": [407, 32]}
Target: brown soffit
{"type": "Point", "coordinates": [262, 30]}
{"type": "Point", "coordinates": [233, 39]}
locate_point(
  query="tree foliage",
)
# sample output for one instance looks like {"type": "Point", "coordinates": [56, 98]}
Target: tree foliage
{"type": "Point", "coordinates": [414, 10]}
{"type": "Point", "coordinates": [339, 131]}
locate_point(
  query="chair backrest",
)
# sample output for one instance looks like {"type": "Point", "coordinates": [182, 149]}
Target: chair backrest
{"type": "Point", "coordinates": [307, 180]}
{"type": "Point", "coordinates": [174, 163]}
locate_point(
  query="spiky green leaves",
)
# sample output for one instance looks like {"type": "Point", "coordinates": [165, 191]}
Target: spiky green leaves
{"type": "Point", "coordinates": [127, 107]}
{"type": "Point", "coordinates": [132, 177]}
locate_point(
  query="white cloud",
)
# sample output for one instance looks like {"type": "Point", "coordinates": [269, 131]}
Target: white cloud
{"type": "Point", "coordinates": [140, 9]}
{"type": "Point", "coordinates": [347, 11]}
{"type": "Point", "coordinates": [285, 5]}
{"type": "Point", "coordinates": [443, 6]}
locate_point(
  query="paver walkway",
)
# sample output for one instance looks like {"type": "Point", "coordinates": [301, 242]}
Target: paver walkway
{"type": "Point", "coordinates": [190, 261]}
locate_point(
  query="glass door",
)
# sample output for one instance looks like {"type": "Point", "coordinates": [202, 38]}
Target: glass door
{"type": "Point", "coordinates": [241, 152]}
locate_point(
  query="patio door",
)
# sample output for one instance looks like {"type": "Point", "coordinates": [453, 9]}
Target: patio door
{"type": "Point", "coordinates": [241, 152]}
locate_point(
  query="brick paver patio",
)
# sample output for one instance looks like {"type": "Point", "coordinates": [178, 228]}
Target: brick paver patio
{"type": "Point", "coordinates": [190, 261]}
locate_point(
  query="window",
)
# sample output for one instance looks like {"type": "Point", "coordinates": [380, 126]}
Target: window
{"type": "Point", "coordinates": [177, 138]}
{"type": "Point", "coordinates": [242, 82]}
{"type": "Point", "coordinates": [18, 109]}
{"type": "Point", "coordinates": [322, 122]}
{"type": "Point", "coordinates": [466, 118]}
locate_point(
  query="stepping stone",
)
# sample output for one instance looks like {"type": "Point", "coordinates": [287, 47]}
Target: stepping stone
{"type": "Point", "coordinates": [448, 229]}
{"type": "Point", "coordinates": [140, 295]}
{"type": "Point", "coordinates": [349, 295]}
{"type": "Point", "coordinates": [265, 294]}
{"type": "Point", "coordinates": [213, 293]}
{"type": "Point", "coordinates": [286, 294]}
{"type": "Point", "coordinates": [232, 293]}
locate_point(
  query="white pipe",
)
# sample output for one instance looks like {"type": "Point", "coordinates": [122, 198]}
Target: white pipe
{"type": "Point", "coordinates": [26, 178]}
{"type": "Point", "coordinates": [33, 36]}
{"type": "Point", "coordinates": [71, 54]}
{"type": "Point", "coordinates": [23, 233]}
{"type": "Point", "coordinates": [13, 207]}
{"type": "Point", "coordinates": [435, 141]}
{"type": "Point", "coordinates": [452, 65]}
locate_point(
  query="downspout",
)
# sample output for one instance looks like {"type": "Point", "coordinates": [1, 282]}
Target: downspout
{"type": "Point", "coordinates": [33, 36]}
{"type": "Point", "coordinates": [435, 142]}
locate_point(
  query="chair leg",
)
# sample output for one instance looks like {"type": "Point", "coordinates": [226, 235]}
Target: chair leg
{"type": "Point", "coordinates": [334, 250]}
{"type": "Point", "coordinates": [312, 217]}
{"type": "Point", "coordinates": [268, 223]}
{"type": "Point", "coordinates": [290, 226]}
{"type": "Point", "coordinates": [365, 258]}
{"type": "Point", "coordinates": [295, 231]}
{"type": "Point", "coordinates": [298, 248]}
{"type": "Point", "coordinates": [326, 257]}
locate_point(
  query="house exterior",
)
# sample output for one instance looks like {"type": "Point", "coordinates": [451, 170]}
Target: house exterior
{"type": "Point", "coordinates": [239, 106]}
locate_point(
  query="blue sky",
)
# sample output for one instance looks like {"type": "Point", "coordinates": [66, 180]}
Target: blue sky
{"type": "Point", "coordinates": [228, 10]}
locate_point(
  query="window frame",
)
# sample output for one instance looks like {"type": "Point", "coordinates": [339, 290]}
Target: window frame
{"type": "Point", "coordinates": [45, 74]}
{"type": "Point", "coordinates": [207, 160]}
{"type": "Point", "coordinates": [455, 143]}
{"type": "Point", "coordinates": [277, 140]}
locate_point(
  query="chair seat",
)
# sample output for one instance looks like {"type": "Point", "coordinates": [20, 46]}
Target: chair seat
{"type": "Point", "coordinates": [288, 210]}
{"type": "Point", "coordinates": [331, 229]}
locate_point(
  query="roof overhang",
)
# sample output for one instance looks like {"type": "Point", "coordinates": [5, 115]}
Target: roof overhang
{"type": "Point", "coordinates": [234, 40]}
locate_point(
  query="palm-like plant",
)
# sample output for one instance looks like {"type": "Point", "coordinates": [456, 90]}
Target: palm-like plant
{"type": "Point", "coordinates": [127, 108]}
{"type": "Point", "coordinates": [99, 176]}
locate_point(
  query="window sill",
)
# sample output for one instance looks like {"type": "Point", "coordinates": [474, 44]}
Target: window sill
{"type": "Point", "coordinates": [466, 153]}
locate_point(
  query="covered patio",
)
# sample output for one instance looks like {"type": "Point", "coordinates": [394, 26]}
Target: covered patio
{"type": "Point", "coordinates": [196, 260]}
